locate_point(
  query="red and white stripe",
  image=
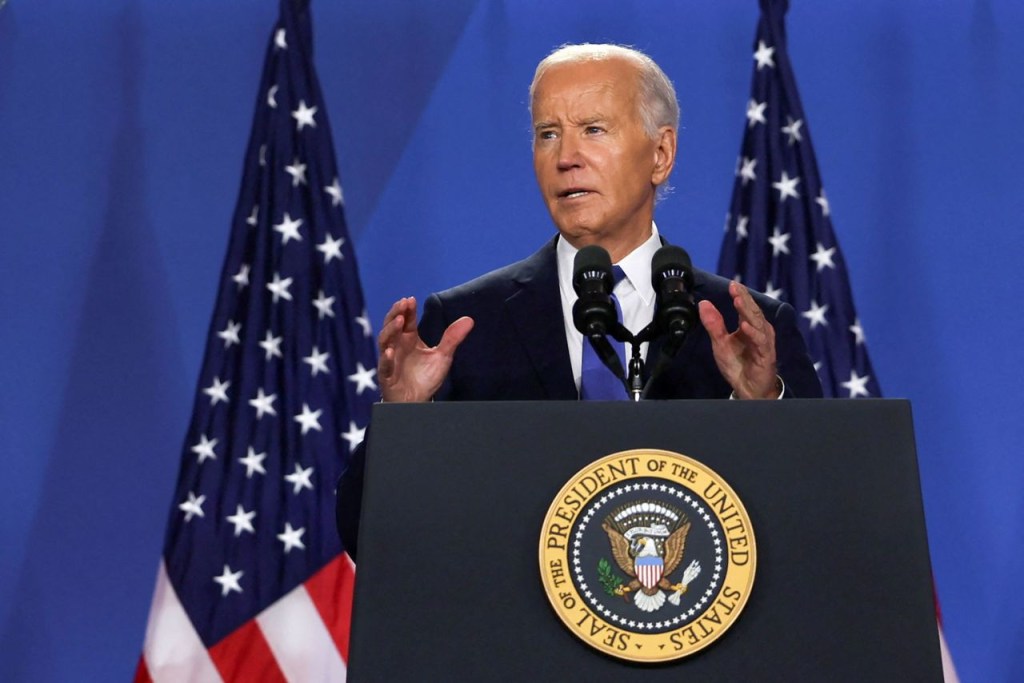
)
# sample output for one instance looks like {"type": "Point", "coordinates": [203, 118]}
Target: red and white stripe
{"type": "Point", "coordinates": [301, 637]}
{"type": "Point", "coordinates": [649, 573]}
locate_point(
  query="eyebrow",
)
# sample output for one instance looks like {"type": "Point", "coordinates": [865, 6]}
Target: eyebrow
{"type": "Point", "coordinates": [590, 120]}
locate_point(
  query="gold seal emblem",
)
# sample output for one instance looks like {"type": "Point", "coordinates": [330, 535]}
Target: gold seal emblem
{"type": "Point", "coordinates": [647, 555]}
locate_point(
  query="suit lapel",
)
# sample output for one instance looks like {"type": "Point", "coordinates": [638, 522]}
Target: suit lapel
{"type": "Point", "coordinates": [535, 309]}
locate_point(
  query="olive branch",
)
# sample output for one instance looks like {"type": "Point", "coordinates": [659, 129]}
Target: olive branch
{"type": "Point", "coordinates": [610, 581]}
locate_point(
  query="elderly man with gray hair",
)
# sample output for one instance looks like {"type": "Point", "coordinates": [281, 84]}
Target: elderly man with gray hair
{"type": "Point", "coordinates": [605, 123]}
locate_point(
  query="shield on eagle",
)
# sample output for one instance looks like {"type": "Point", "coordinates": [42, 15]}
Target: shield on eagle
{"type": "Point", "coordinates": [649, 570]}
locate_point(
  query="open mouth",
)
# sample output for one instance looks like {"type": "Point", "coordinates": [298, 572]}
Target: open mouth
{"type": "Point", "coordinates": [573, 193]}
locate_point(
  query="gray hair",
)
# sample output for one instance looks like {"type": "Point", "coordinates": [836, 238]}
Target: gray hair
{"type": "Point", "coordinates": [658, 104]}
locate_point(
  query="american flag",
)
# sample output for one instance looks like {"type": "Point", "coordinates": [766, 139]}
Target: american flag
{"type": "Point", "coordinates": [779, 237]}
{"type": "Point", "coordinates": [253, 582]}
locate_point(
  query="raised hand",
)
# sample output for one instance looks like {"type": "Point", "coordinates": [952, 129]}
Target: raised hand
{"type": "Point", "coordinates": [746, 357]}
{"type": "Point", "coordinates": [409, 370]}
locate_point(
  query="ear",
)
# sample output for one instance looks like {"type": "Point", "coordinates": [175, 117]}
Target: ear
{"type": "Point", "coordinates": [664, 155]}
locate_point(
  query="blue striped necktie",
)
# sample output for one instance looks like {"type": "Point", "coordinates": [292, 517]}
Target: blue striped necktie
{"type": "Point", "coordinates": [597, 382]}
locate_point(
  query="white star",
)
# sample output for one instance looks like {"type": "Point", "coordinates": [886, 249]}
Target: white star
{"type": "Point", "coordinates": [331, 248]}
{"type": "Point", "coordinates": [272, 345]}
{"type": "Point", "coordinates": [272, 97]}
{"type": "Point", "coordinates": [793, 130]}
{"type": "Point", "coordinates": [317, 363]}
{"type": "Point", "coordinates": [309, 419]}
{"type": "Point", "coordinates": [298, 173]}
{"type": "Point", "coordinates": [858, 332]}
{"type": "Point", "coordinates": [279, 288]}
{"type": "Point", "coordinates": [755, 113]}
{"type": "Point", "coordinates": [218, 391]}
{"type": "Point", "coordinates": [857, 385]}
{"type": "Point", "coordinates": [816, 314]}
{"type": "Point", "coordinates": [229, 580]}
{"type": "Point", "coordinates": [193, 507]}
{"type": "Point", "coordinates": [300, 479]}
{"type": "Point", "coordinates": [254, 216]}
{"type": "Point", "coordinates": [279, 39]}
{"type": "Point", "coordinates": [263, 403]}
{"type": "Point", "coordinates": [364, 322]}
{"type": "Point", "coordinates": [741, 227]}
{"type": "Point", "coordinates": [817, 366]}
{"type": "Point", "coordinates": [323, 305]}
{"type": "Point", "coordinates": [822, 201]}
{"type": "Point", "coordinates": [253, 462]}
{"type": "Point", "coordinates": [823, 257]}
{"type": "Point", "coordinates": [292, 538]}
{"type": "Point", "coordinates": [242, 520]}
{"type": "Point", "coordinates": [230, 334]}
{"type": "Point", "coordinates": [771, 291]}
{"type": "Point", "coordinates": [787, 187]}
{"type": "Point", "coordinates": [354, 436]}
{"type": "Point", "coordinates": [747, 171]}
{"type": "Point", "coordinates": [334, 189]}
{"type": "Point", "coordinates": [764, 55]}
{"type": "Point", "coordinates": [241, 278]}
{"type": "Point", "coordinates": [363, 378]}
{"type": "Point", "coordinates": [778, 241]}
{"type": "Point", "coordinates": [304, 116]}
{"type": "Point", "coordinates": [205, 449]}
{"type": "Point", "coordinates": [289, 228]}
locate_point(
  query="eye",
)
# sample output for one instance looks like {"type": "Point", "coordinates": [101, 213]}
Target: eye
{"type": "Point", "coordinates": [546, 135]}
{"type": "Point", "coordinates": [593, 130]}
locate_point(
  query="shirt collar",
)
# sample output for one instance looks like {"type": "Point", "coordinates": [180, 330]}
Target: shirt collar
{"type": "Point", "coordinates": [636, 265]}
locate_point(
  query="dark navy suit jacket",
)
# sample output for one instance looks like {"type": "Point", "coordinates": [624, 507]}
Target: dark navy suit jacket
{"type": "Point", "coordinates": [517, 351]}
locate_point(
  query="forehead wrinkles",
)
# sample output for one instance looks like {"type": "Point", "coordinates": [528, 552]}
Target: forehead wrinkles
{"type": "Point", "coordinates": [579, 103]}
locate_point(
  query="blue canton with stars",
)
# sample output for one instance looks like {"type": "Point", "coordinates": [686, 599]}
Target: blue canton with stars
{"type": "Point", "coordinates": [779, 236]}
{"type": "Point", "coordinates": [288, 377]}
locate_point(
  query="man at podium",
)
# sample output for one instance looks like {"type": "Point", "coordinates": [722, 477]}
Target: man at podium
{"type": "Point", "coordinates": [605, 121]}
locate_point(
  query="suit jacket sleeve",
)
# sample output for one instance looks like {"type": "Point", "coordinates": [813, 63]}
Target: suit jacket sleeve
{"type": "Point", "coordinates": [794, 365]}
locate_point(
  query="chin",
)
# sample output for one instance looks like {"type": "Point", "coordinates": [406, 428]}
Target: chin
{"type": "Point", "coordinates": [577, 229]}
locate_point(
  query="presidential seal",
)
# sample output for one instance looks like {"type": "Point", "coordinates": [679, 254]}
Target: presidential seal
{"type": "Point", "coordinates": [647, 555]}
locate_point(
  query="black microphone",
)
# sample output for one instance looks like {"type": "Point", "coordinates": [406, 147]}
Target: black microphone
{"type": "Point", "coordinates": [593, 313]}
{"type": "Point", "coordinates": [672, 277]}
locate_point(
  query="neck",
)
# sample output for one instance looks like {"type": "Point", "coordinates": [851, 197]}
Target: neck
{"type": "Point", "coordinates": [618, 248]}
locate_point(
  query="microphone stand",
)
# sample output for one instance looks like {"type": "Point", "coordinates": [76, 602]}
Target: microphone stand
{"type": "Point", "coordinates": [634, 377]}
{"type": "Point", "coordinates": [636, 372]}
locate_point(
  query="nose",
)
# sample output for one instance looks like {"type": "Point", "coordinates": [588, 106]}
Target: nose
{"type": "Point", "coordinates": [569, 156]}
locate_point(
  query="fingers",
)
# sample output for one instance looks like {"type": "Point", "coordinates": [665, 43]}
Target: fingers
{"type": "Point", "coordinates": [745, 306]}
{"type": "Point", "coordinates": [752, 324]}
{"type": "Point", "coordinates": [400, 318]}
{"type": "Point", "coordinates": [712, 320]}
{"type": "Point", "coordinates": [455, 335]}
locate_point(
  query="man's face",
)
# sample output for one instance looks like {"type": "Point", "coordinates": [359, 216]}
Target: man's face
{"type": "Point", "coordinates": [596, 166]}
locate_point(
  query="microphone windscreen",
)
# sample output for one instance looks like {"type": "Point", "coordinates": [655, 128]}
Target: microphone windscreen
{"type": "Point", "coordinates": [670, 256]}
{"type": "Point", "coordinates": [589, 260]}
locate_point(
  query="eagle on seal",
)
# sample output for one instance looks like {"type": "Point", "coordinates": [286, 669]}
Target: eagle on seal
{"type": "Point", "coordinates": [649, 554]}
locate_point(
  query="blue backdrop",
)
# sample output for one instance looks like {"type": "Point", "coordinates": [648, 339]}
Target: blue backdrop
{"type": "Point", "coordinates": [122, 129]}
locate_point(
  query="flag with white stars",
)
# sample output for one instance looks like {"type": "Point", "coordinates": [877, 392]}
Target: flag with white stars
{"type": "Point", "coordinates": [254, 583]}
{"type": "Point", "coordinates": [778, 233]}
{"type": "Point", "coordinates": [779, 236]}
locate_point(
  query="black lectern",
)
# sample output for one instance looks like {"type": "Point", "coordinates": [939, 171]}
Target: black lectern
{"type": "Point", "coordinates": [455, 494]}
